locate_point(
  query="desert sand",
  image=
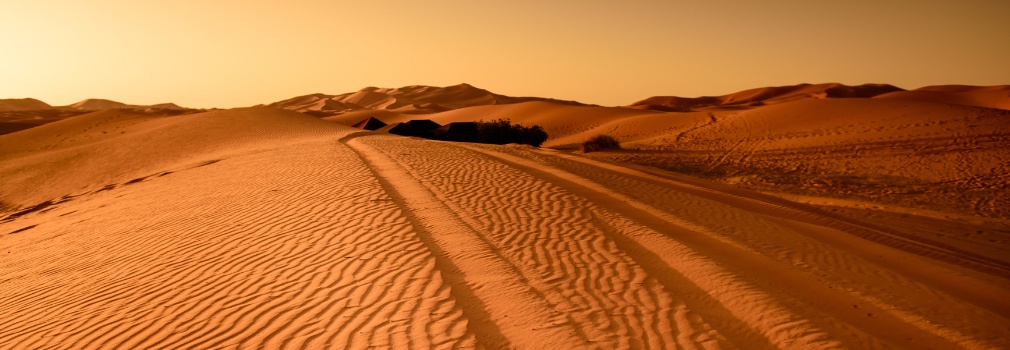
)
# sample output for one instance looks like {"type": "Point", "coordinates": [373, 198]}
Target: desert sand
{"type": "Point", "coordinates": [806, 217]}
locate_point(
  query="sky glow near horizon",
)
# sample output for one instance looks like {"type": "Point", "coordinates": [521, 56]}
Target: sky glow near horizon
{"type": "Point", "coordinates": [225, 53]}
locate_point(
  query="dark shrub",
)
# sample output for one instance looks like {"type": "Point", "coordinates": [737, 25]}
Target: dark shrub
{"type": "Point", "coordinates": [599, 143]}
{"type": "Point", "coordinates": [502, 131]}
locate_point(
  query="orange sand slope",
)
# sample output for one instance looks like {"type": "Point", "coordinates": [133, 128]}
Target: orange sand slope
{"type": "Point", "coordinates": [268, 228]}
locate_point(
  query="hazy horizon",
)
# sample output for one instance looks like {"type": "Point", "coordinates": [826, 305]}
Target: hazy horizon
{"type": "Point", "coordinates": [231, 54]}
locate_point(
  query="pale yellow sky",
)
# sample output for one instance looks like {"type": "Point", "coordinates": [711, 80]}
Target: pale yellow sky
{"type": "Point", "coordinates": [224, 53]}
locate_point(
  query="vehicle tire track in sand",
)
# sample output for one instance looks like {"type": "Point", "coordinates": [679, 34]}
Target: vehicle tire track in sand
{"type": "Point", "coordinates": [648, 230]}
{"type": "Point", "coordinates": [802, 263]}
{"type": "Point", "coordinates": [869, 315]}
{"type": "Point", "coordinates": [308, 253]}
{"type": "Point", "coordinates": [549, 235]}
{"type": "Point", "coordinates": [659, 191]}
{"type": "Point", "coordinates": [493, 293]}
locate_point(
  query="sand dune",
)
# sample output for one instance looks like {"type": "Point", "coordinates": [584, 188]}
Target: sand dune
{"type": "Point", "coordinates": [948, 157]}
{"type": "Point", "coordinates": [262, 227]}
{"type": "Point", "coordinates": [103, 148]}
{"type": "Point", "coordinates": [981, 96]}
{"type": "Point", "coordinates": [12, 121]}
{"type": "Point", "coordinates": [21, 114]}
{"type": "Point", "coordinates": [96, 104]}
{"type": "Point", "coordinates": [763, 96]}
{"type": "Point", "coordinates": [291, 246]}
{"type": "Point", "coordinates": [416, 99]}
{"type": "Point", "coordinates": [22, 104]}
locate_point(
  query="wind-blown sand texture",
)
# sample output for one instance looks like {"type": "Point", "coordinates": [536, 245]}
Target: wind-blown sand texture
{"type": "Point", "coordinates": [268, 228]}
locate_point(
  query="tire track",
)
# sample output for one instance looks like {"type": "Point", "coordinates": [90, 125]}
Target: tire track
{"type": "Point", "coordinates": [549, 235]}
{"type": "Point", "coordinates": [790, 262]}
{"type": "Point", "coordinates": [659, 190]}
{"type": "Point", "coordinates": [490, 288]}
{"type": "Point", "coordinates": [773, 321]}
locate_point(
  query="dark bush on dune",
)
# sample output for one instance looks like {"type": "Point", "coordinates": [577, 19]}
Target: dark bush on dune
{"type": "Point", "coordinates": [599, 143]}
{"type": "Point", "coordinates": [502, 131]}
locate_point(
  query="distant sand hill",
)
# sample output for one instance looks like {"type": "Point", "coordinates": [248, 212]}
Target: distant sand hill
{"type": "Point", "coordinates": [763, 96]}
{"type": "Point", "coordinates": [22, 104]}
{"type": "Point", "coordinates": [799, 219]}
{"type": "Point", "coordinates": [90, 105]}
{"type": "Point", "coordinates": [409, 99]}
{"type": "Point", "coordinates": [21, 114]}
{"type": "Point", "coordinates": [94, 104]}
{"type": "Point", "coordinates": [987, 96]}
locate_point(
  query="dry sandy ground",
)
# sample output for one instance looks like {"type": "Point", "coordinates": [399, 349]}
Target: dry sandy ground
{"type": "Point", "coordinates": [268, 228]}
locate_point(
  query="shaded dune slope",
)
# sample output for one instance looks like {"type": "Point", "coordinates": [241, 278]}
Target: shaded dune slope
{"type": "Point", "coordinates": [268, 228]}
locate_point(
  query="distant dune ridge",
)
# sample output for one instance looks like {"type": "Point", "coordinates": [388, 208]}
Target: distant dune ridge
{"type": "Point", "coordinates": [89, 105]}
{"type": "Point", "coordinates": [802, 217]}
{"type": "Point", "coordinates": [21, 114]}
{"type": "Point", "coordinates": [408, 99]}
{"type": "Point", "coordinates": [100, 104]}
{"type": "Point", "coordinates": [22, 104]}
{"type": "Point", "coordinates": [981, 96]}
{"type": "Point", "coordinates": [985, 96]}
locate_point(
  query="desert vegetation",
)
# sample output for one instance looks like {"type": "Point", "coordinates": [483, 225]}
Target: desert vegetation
{"type": "Point", "coordinates": [502, 131]}
{"type": "Point", "coordinates": [600, 143]}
